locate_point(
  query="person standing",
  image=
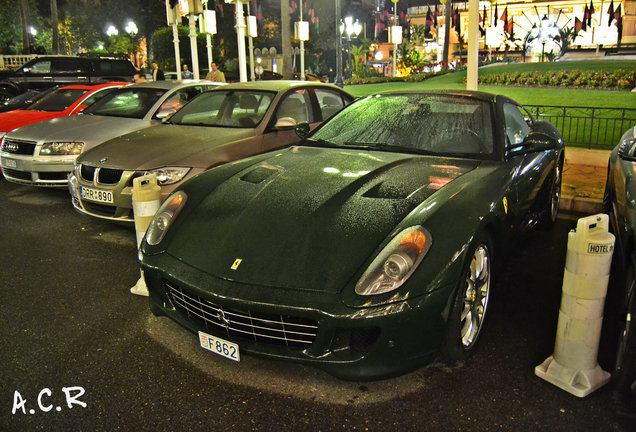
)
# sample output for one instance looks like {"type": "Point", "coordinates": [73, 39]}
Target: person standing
{"type": "Point", "coordinates": [215, 74]}
{"type": "Point", "coordinates": [185, 73]}
{"type": "Point", "coordinates": [157, 74]}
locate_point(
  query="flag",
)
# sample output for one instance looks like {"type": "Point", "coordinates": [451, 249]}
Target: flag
{"type": "Point", "coordinates": [590, 12]}
{"type": "Point", "coordinates": [429, 18]}
{"type": "Point", "coordinates": [586, 15]}
{"type": "Point", "coordinates": [509, 26]}
{"type": "Point", "coordinates": [619, 22]}
{"type": "Point", "coordinates": [610, 12]}
{"type": "Point", "coordinates": [485, 16]}
{"type": "Point", "coordinates": [584, 26]}
{"type": "Point", "coordinates": [504, 17]}
{"type": "Point", "coordinates": [259, 18]}
{"type": "Point", "coordinates": [457, 21]}
{"type": "Point", "coordinates": [496, 15]}
{"type": "Point", "coordinates": [436, 14]}
{"type": "Point", "coordinates": [578, 25]}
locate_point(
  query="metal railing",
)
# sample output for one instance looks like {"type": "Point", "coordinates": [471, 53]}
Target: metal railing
{"type": "Point", "coordinates": [14, 61]}
{"type": "Point", "coordinates": [594, 128]}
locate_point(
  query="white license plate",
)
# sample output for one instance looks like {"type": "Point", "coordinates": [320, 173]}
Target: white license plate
{"type": "Point", "coordinates": [9, 163]}
{"type": "Point", "coordinates": [96, 195]}
{"type": "Point", "coordinates": [219, 346]}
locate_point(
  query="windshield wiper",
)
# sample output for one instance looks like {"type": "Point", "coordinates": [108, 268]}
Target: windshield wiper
{"type": "Point", "coordinates": [388, 147]}
{"type": "Point", "coordinates": [320, 142]}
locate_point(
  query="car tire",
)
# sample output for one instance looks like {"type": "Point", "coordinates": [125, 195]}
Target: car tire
{"type": "Point", "coordinates": [553, 199]}
{"type": "Point", "coordinates": [624, 376]}
{"type": "Point", "coordinates": [470, 303]}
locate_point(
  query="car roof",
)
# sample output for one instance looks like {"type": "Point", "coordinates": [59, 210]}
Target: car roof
{"type": "Point", "coordinates": [169, 85]}
{"type": "Point", "coordinates": [484, 96]}
{"type": "Point", "coordinates": [95, 86]}
{"type": "Point", "coordinates": [276, 85]}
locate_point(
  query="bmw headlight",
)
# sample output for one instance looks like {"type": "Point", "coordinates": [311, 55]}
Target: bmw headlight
{"type": "Point", "coordinates": [61, 148]}
{"type": "Point", "coordinates": [396, 262]}
{"type": "Point", "coordinates": [169, 175]}
{"type": "Point", "coordinates": [164, 217]}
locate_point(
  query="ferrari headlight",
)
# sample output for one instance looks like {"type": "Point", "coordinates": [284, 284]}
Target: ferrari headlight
{"type": "Point", "coordinates": [169, 175]}
{"type": "Point", "coordinates": [395, 264]}
{"type": "Point", "coordinates": [61, 148]}
{"type": "Point", "coordinates": [164, 217]}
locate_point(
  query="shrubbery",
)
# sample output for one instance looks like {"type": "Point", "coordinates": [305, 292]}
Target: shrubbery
{"type": "Point", "coordinates": [620, 79]}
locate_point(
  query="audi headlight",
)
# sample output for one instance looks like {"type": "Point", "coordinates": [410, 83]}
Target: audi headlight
{"type": "Point", "coordinates": [164, 217]}
{"type": "Point", "coordinates": [169, 175]}
{"type": "Point", "coordinates": [396, 262]}
{"type": "Point", "coordinates": [61, 148]}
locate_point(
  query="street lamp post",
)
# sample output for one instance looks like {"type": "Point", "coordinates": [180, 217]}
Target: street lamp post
{"type": "Point", "coordinates": [349, 30]}
{"type": "Point", "coordinates": [132, 30]}
{"type": "Point", "coordinates": [543, 33]}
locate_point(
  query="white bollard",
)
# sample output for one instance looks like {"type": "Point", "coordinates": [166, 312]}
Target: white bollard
{"type": "Point", "coordinates": [573, 366]}
{"type": "Point", "coordinates": [146, 199]}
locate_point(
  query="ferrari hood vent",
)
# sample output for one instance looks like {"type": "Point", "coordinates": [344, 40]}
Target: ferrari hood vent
{"type": "Point", "coordinates": [390, 190]}
{"type": "Point", "coordinates": [259, 174]}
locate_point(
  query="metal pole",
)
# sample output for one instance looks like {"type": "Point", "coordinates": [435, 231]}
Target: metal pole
{"type": "Point", "coordinates": [339, 80]}
{"type": "Point", "coordinates": [251, 49]}
{"type": "Point", "coordinates": [193, 49]}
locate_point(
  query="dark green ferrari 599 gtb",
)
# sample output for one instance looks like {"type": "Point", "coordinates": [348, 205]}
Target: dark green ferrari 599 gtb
{"type": "Point", "coordinates": [369, 248]}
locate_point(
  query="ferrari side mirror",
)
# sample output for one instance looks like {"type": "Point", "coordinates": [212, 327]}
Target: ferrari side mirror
{"type": "Point", "coordinates": [302, 130]}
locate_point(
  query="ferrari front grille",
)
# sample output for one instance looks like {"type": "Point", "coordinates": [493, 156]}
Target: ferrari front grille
{"type": "Point", "coordinates": [240, 324]}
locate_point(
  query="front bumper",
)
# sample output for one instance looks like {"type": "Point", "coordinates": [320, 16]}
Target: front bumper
{"type": "Point", "coordinates": [349, 343]}
{"type": "Point", "coordinates": [45, 171]}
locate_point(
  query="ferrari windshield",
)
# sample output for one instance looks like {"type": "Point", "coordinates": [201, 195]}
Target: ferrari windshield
{"type": "Point", "coordinates": [58, 100]}
{"type": "Point", "coordinates": [126, 102]}
{"type": "Point", "coordinates": [417, 123]}
{"type": "Point", "coordinates": [238, 109]}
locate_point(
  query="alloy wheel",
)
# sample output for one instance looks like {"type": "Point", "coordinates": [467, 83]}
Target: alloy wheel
{"type": "Point", "coordinates": [476, 296]}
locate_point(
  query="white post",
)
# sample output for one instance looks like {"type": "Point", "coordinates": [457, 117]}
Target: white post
{"type": "Point", "coordinates": [193, 48]}
{"type": "Point", "coordinates": [473, 45]}
{"type": "Point", "coordinates": [573, 366]}
{"type": "Point", "coordinates": [395, 45]}
{"type": "Point", "coordinates": [302, 48]}
{"type": "Point", "coordinates": [177, 53]}
{"type": "Point", "coordinates": [240, 36]}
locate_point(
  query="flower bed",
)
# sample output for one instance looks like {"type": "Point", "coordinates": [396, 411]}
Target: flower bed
{"type": "Point", "coordinates": [618, 79]}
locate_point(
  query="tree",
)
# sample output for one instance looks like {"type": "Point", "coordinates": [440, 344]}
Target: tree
{"type": "Point", "coordinates": [285, 35]}
{"type": "Point", "coordinates": [54, 30]}
{"type": "Point", "coordinates": [25, 21]}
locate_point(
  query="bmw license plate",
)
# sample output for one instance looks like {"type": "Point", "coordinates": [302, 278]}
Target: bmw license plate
{"type": "Point", "coordinates": [96, 195]}
{"type": "Point", "coordinates": [219, 346]}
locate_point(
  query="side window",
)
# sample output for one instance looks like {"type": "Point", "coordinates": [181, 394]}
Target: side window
{"type": "Point", "coordinates": [295, 105]}
{"type": "Point", "coordinates": [97, 96]}
{"type": "Point", "coordinates": [330, 102]}
{"type": "Point", "coordinates": [516, 127]}
{"type": "Point", "coordinates": [39, 67]}
{"type": "Point", "coordinates": [177, 100]}
{"type": "Point", "coordinates": [67, 66]}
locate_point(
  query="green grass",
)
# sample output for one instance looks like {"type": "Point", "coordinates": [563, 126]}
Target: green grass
{"type": "Point", "coordinates": [526, 95]}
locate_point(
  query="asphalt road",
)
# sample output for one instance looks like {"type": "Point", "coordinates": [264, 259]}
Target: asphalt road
{"type": "Point", "coordinates": [78, 352]}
